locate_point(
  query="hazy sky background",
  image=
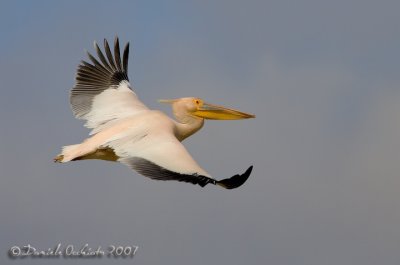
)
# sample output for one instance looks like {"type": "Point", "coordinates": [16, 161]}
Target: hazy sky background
{"type": "Point", "coordinates": [321, 76]}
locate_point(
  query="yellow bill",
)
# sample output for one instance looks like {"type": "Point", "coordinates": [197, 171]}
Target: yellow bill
{"type": "Point", "coordinates": [215, 112]}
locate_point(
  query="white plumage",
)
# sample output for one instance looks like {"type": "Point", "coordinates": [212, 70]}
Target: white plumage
{"type": "Point", "coordinates": [125, 130]}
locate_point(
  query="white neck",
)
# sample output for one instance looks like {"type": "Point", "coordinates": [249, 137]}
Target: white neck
{"type": "Point", "coordinates": [187, 128]}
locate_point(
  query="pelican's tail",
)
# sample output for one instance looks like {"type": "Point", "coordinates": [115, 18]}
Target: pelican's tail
{"type": "Point", "coordinates": [68, 153]}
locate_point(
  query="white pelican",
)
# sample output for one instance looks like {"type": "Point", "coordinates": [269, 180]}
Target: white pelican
{"type": "Point", "coordinates": [125, 130]}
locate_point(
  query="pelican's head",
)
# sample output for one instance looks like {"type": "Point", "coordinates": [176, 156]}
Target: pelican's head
{"type": "Point", "coordinates": [196, 107]}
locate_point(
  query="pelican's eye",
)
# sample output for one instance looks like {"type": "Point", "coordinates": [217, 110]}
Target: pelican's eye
{"type": "Point", "coordinates": [197, 101]}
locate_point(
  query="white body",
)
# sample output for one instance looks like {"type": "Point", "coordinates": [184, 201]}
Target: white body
{"type": "Point", "coordinates": [125, 130]}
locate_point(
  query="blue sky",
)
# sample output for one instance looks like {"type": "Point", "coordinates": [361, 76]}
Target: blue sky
{"type": "Point", "coordinates": [321, 76]}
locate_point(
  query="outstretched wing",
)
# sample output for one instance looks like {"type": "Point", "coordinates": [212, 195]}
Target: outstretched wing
{"type": "Point", "coordinates": [165, 158]}
{"type": "Point", "coordinates": [154, 171]}
{"type": "Point", "coordinates": [102, 92]}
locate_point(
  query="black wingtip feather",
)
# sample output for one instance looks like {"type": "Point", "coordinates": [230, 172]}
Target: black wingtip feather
{"type": "Point", "coordinates": [154, 171]}
{"type": "Point", "coordinates": [235, 181]}
{"type": "Point", "coordinates": [109, 55]}
{"type": "Point", "coordinates": [101, 55]}
{"type": "Point", "coordinates": [97, 63]}
{"type": "Point", "coordinates": [117, 56]}
{"type": "Point", "coordinates": [125, 58]}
